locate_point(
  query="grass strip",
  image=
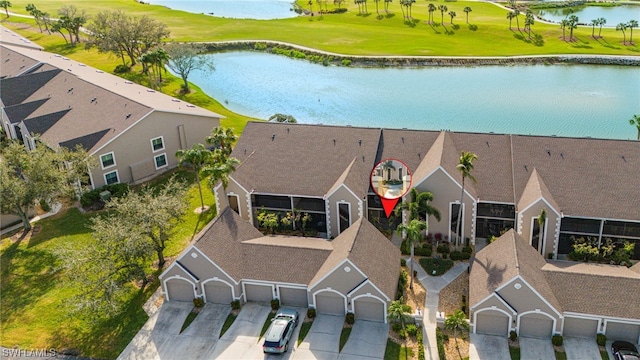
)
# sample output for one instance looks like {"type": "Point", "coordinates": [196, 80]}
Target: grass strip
{"type": "Point", "coordinates": [514, 352]}
{"type": "Point", "coordinates": [440, 343]}
{"type": "Point", "coordinates": [192, 315]}
{"type": "Point", "coordinates": [395, 351]}
{"type": "Point", "coordinates": [304, 330]}
{"type": "Point", "coordinates": [266, 324]}
{"type": "Point", "coordinates": [604, 354]}
{"type": "Point", "coordinates": [344, 336]}
{"type": "Point", "coordinates": [227, 323]}
{"type": "Point", "coordinates": [561, 355]}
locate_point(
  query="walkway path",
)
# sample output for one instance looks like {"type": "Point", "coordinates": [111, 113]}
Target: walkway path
{"type": "Point", "coordinates": [54, 210]}
{"type": "Point", "coordinates": [433, 285]}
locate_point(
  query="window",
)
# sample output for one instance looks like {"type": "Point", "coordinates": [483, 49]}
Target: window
{"type": "Point", "coordinates": [161, 161]}
{"type": "Point", "coordinates": [108, 160]}
{"type": "Point", "coordinates": [111, 178]}
{"type": "Point", "coordinates": [233, 203]}
{"type": "Point", "coordinates": [157, 144]}
{"type": "Point", "coordinates": [271, 202]}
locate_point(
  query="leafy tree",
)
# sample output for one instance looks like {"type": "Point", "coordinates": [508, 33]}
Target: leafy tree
{"type": "Point", "coordinates": [282, 118]}
{"type": "Point", "coordinates": [516, 14]}
{"type": "Point", "coordinates": [124, 35]}
{"type": "Point", "coordinates": [465, 166]}
{"type": "Point", "coordinates": [195, 158]}
{"type": "Point", "coordinates": [294, 217]}
{"type": "Point", "coordinates": [222, 139]}
{"type": "Point", "coordinates": [71, 19]}
{"type": "Point", "coordinates": [41, 18]}
{"type": "Point", "coordinates": [222, 164]}
{"type": "Point", "coordinates": [467, 10]}
{"type": "Point", "coordinates": [432, 8]}
{"type": "Point", "coordinates": [38, 175]}
{"type": "Point", "coordinates": [386, 5]}
{"type": "Point", "coordinates": [452, 14]}
{"type": "Point", "coordinates": [573, 24]}
{"type": "Point", "coordinates": [632, 24]}
{"type": "Point", "coordinates": [184, 58]}
{"type": "Point", "coordinates": [399, 312]}
{"type": "Point", "coordinates": [635, 121]}
{"type": "Point", "coordinates": [5, 5]}
{"type": "Point", "coordinates": [622, 27]}
{"type": "Point", "coordinates": [443, 9]}
{"type": "Point", "coordinates": [153, 63]}
{"type": "Point", "coordinates": [413, 232]}
{"type": "Point", "coordinates": [601, 21]}
{"type": "Point", "coordinates": [456, 322]}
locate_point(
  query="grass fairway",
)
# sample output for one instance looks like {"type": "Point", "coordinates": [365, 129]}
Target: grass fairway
{"type": "Point", "coordinates": [487, 33]}
{"type": "Point", "coordinates": [35, 297]}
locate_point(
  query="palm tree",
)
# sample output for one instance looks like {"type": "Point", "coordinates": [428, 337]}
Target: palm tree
{"type": "Point", "coordinates": [467, 10]}
{"type": "Point", "coordinates": [432, 8]}
{"type": "Point", "coordinates": [635, 121]}
{"type": "Point", "coordinates": [601, 22]}
{"type": "Point", "coordinates": [195, 158]}
{"type": "Point", "coordinates": [5, 5]}
{"type": "Point", "coordinates": [516, 12]}
{"type": "Point", "coordinates": [573, 24]}
{"type": "Point", "coordinates": [419, 206]}
{"type": "Point", "coordinates": [399, 312]}
{"type": "Point", "coordinates": [223, 139]}
{"type": "Point", "coordinates": [510, 16]}
{"type": "Point", "coordinates": [631, 25]}
{"type": "Point", "coordinates": [452, 14]}
{"type": "Point", "coordinates": [542, 219]}
{"type": "Point", "coordinates": [593, 23]}
{"type": "Point", "coordinates": [622, 27]}
{"type": "Point", "coordinates": [443, 9]}
{"type": "Point", "coordinates": [529, 19]}
{"type": "Point", "coordinates": [386, 5]}
{"type": "Point", "coordinates": [465, 166]}
{"type": "Point", "coordinates": [563, 24]}
{"type": "Point", "coordinates": [220, 169]}
{"type": "Point", "coordinates": [456, 322]}
{"type": "Point", "coordinates": [413, 232]}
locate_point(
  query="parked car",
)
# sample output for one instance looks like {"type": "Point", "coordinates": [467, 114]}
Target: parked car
{"type": "Point", "coordinates": [276, 339]}
{"type": "Point", "coordinates": [623, 350]}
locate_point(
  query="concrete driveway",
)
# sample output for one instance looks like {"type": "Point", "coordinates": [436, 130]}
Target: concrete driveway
{"type": "Point", "coordinates": [241, 339]}
{"type": "Point", "coordinates": [581, 348]}
{"type": "Point", "coordinates": [368, 340]}
{"type": "Point", "coordinates": [160, 336]}
{"type": "Point", "coordinates": [489, 347]}
{"type": "Point", "coordinates": [536, 349]}
{"type": "Point", "coordinates": [323, 339]}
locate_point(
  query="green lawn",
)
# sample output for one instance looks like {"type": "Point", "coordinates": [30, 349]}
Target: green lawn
{"type": "Point", "coordinates": [35, 298]}
{"type": "Point", "coordinates": [304, 330]}
{"type": "Point", "coordinates": [353, 34]}
{"type": "Point", "coordinates": [440, 266]}
{"type": "Point", "coordinates": [344, 336]}
{"type": "Point", "coordinates": [227, 323]}
{"type": "Point", "coordinates": [561, 355]}
{"type": "Point", "coordinates": [514, 352]}
{"type": "Point", "coordinates": [266, 324]}
{"type": "Point", "coordinates": [192, 316]}
{"type": "Point", "coordinates": [395, 351]}
{"type": "Point", "coordinates": [604, 354]}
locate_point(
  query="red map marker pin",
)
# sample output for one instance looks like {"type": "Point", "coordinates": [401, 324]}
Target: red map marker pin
{"type": "Point", "coordinates": [390, 180]}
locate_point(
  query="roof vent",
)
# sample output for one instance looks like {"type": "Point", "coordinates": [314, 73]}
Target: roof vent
{"type": "Point", "coordinates": [562, 155]}
{"type": "Point", "coordinates": [245, 151]}
{"type": "Point", "coordinates": [191, 106]}
{"type": "Point", "coordinates": [402, 139]}
{"type": "Point", "coordinates": [94, 100]}
{"type": "Point", "coordinates": [128, 116]}
{"type": "Point", "coordinates": [175, 100]}
{"type": "Point", "coordinates": [362, 158]}
{"type": "Point", "coordinates": [525, 168]}
{"type": "Point", "coordinates": [273, 137]}
{"type": "Point", "coordinates": [99, 71]}
{"type": "Point", "coordinates": [128, 82]}
{"type": "Point", "coordinates": [70, 90]}
{"type": "Point", "coordinates": [83, 65]}
{"type": "Point", "coordinates": [334, 142]}
{"type": "Point", "coordinates": [622, 156]}
{"type": "Point", "coordinates": [419, 156]}
{"type": "Point", "coordinates": [360, 142]}
{"type": "Point", "coordinates": [151, 91]}
{"type": "Point", "coordinates": [487, 144]}
{"type": "Point", "coordinates": [548, 151]}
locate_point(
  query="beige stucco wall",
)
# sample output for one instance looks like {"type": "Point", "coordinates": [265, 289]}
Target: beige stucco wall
{"type": "Point", "coordinates": [342, 195]}
{"type": "Point", "coordinates": [525, 225]}
{"type": "Point", "coordinates": [134, 146]}
{"type": "Point", "coordinates": [339, 280]}
{"type": "Point", "coordinates": [367, 288]}
{"type": "Point", "coordinates": [445, 191]}
{"type": "Point", "coordinates": [524, 299]}
{"type": "Point", "coordinates": [490, 302]}
{"type": "Point", "coordinates": [244, 199]}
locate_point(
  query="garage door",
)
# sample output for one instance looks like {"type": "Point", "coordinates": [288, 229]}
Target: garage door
{"type": "Point", "coordinates": [217, 292]}
{"type": "Point", "coordinates": [179, 290]}
{"type": "Point", "coordinates": [369, 309]}
{"type": "Point", "coordinates": [585, 328]}
{"type": "Point", "coordinates": [293, 297]}
{"type": "Point", "coordinates": [492, 323]}
{"type": "Point", "coordinates": [536, 326]}
{"type": "Point", "coordinates": [620, 331]}
{"type": "Point", "coordinates": [329, 303]}
{"type": "Point", "coordinates": [260, 293]}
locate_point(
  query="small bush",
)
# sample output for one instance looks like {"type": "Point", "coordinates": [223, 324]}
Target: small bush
{"type": "Point", "coordinates": [456, 255]}
{"type": "Point", "coordinates": [198, 302]}
{"type": "Point", "coordinates": [275, 304]}
{"type": "Point", "coordinates": [346, 62]}
{"type": "Point", "coordinates": [235, 305]}
{"type": "Point", "coordinates": [350, 318]}
{"type": "Point", "coordinates": [121, 69]}
{"type": "Point", "coordinates": [44, 205]}
{"type": "Point", "coordinates": [91, 197]}
{"type": "Point", "coordinates": [423, 251]}
{"type": "Point", "coordinates": [445, 337]}
{"type": "Point", "coordinates": [412, 330]}
{"type": "Point", "coordinates": [467, 249]}
{"type": "Point", "coordinates": [420, 345]}
{"type": "Point", "coordinates": [260, 46]}
{"type": "Point", "coordinates": [403, 280]}
{"type": "Point", "coordinates": [601, 339]}
{"type": "Point", "coordinates": [513, 335]}
{"type": "Point", "coordinates": [405, 249]}
{"type": "Point", "coordinates": [550, 256]}
{"type": "Point", "coordinates": [445, 255]}
{"type": "Point", "coordinates": [440, 342]}
{"type": "Point", "coordinates": [311, 313]}
{"type": "Point", "coordinates": [443, 249]}
{"type": "Point", "coordinates": [402, 334]}
{"type": "Point", "coordinates": [403, 262]}
{"type": "Point", "coordinates": [396, 327]}
{"type": "Point", "coordinates": [556, 340]}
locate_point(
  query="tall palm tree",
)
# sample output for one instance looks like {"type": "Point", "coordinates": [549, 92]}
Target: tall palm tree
{"type": "Point", "coordinates": [195, 158]}
{"type": "Point", "coordinates": [564, 24]}
{"type": "Point", "coordinates": [223, 139]}
{"type": "Point", "coordinates": [456, 322]}
{"type": "Point", "coordinates": [386, 6]}
{"type": "Point", "coordinates": [622, 27]}
{"type": "Point", "coordinates": [413, 232]}
{"type": "Point", "coordinates": [418, 206]}
{"type": "Point", "coordinates": [516, 12]}
{"type": "Point", "coordinates": [631, 25]}
{"type": "Point", "coordinates": [593, 24]}
{"type": "Point", "coordinates": [443, 9]}
{"type": "Point", "coordinates": [573, 24]}
{"type": "Point", "coordinates": [452, 14]}
{"type": "Point", "coordinates": [510, 16]}
{"type": "Point", "coordinates": [601, 21]}
{"type": "Point", "coordinates": [635, 121]}
{"type": "Point", "coordinates": [465, 166]}
{"type": "Point", "coordinates": [467, 10]}
{"type": "Point", "coordinates": [399, 312]}
{"type": "Point", "coordinates": [219, 169]}
{"type": "Point", "coordinates": [529, 20]}
{"type": "Point", "coordinates": [432, 8]}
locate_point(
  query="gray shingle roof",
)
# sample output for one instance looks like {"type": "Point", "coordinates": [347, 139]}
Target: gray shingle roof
{"type": "Point", "coordinates": [534, 190]}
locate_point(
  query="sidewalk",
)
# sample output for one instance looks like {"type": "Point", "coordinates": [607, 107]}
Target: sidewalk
{"type": "Point", "coordinates": [433, 285]}
{"type": "Point", "coordinates": [54, 210]}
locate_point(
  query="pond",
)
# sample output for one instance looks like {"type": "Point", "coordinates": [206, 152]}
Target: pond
{"type": "Point", "coordinates": [239, 9]}
{"type": "Point", "coordinates": [563, 100]}
{"type": "Point", "coordinates": [614, 15]}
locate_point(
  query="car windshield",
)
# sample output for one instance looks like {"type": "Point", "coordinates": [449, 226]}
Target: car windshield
{"type": "Point", "coordinates": [274, 333]}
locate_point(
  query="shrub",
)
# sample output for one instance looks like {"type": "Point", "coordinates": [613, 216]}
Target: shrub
{"type": "Point", "coordinates": [198, 302]}
{"type": "Point", "coordinates": [439, 340]}
{"type": "Point", "coordinates": [405, 249]}
{"type": "Point", "coordinates": [91, 197]}
{"type": "Point", "coordinates": [443, 249]}
{"type": "Point", "coordinates": [412, 330]}
{"type": "Point", "coordinates": [275, 304]}
{"type": "Point", "coordinates": [350, 318]}
{"type": "Point", "coordinates": [467, 249]}
{"type": "Point", "coordinates": [445, 255]}
{"type": "Point", "coordinates": [311, 313]}
{"type": "Point", "coordinates": [438, 236]}
{"type": "Point", "coordinates": [513, 335]}
{"type": "Point", "coordinates": [403, 262]}
{"type": "Point", "coordinates": [556, 340]}
{"type": "Point", "coordinates": [346, 62]}
{"type": "Point", "coordinates": [601, 339]}
{"type": "Point", "coordinates": [466, 256]}
{"type": "Point", "coordinates": [456, 255]}
{"type": "Point", "coordinates": [396, 327]}
{"type": "Point", "coordinates": [402, 334]}
{"type": "Point", "coordinates": [420, 346]}
{"type": "Point", "coordinates": [44, 205]}
{"type": "Point", "coordinates": [260, 46]}
{"type": "Point", "coordinates": [550, 256]}
{"type": "Point", "coordinates": [121, 69]}
{"type": "Point", "coordinates": [423, 251]}
{"type": "Point", "coordinates": [235, 305]}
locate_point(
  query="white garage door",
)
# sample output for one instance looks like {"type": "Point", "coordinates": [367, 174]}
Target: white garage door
{"type": "Point", "coordinates": [293, 297]}
{"type": "Point", "coordinates": [329, 303]}
{"type": "Point", "coordinates": [260, 293]}
{"type": "Point", "coordinates": [585, 328]}
{"type": "Point", "coordinates": [492, 323]}
{"type": "Point", "coordinates": [620, 331]}
{"type": "Point", "coordinates": [369, 309]}
{"type": "Point", "coordinates": [536, 326]}
{"type": "Point", "coordinates": [217, 292]}
{"type": "Point", "coordinates": [179, 290]}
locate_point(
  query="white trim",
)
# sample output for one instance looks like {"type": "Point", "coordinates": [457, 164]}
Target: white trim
{"type": "Point", "coordinates": [328, 289]}
{"type": "Point", "coordinates": [500, 299]}
{"type": "Point", "coordinates": [210, 261]}
{"type": "Point", "coordinates": [166, 291]}
{"type": "Point", "coordinates": [612, 318]}
{"type": "Point", "coordinates": [338, 203]}
{"type": "Point", "coordinates": [113, 157]}
{"type": "Point", "coordinates": [416, 184]}
{"type": "Point", "coordinates": [537, 311]}
{"type": "Point", "coordinates": [582, 317]}
{"type": "Point", "coordinates": [217, 279]}
{"type": "Point", "coordinates": [538, 294]}
{"type": "Point", "coordinates": [104, 176]}
{"type": "Point", "coordinates": [123, 131]}
{"type": "Point", "coordinates": [338, 187]}
{"type": "Point", "coordinates": [369, 295]}
{"type": "Point", "coordinates": [286, 195]}
{"type": "Point", "coordinates": [311, 286]}
{"type": "Point", "coordinates": [155, 161]}
{"type": "Point", "coordinates": [496, 202]}
{"type": "Point", "coordinates": [237, 196]}
{"type": "Point", "coordinates": [155, 138]}
{"type": "Point", "coordinates": [492, 308]}
{"type": "Point", "coordinates": [600, 218]}
{"type": "Point", "coordinates": [536, 201]}
{"type": "Point", "coordinates": [181, 267]}
{"type": "Point", "coordinates": [328, 215]}
{"type": "Point", "coordinates": [257, 283]}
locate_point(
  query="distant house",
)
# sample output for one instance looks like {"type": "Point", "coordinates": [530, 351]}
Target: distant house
{"type": "Point", "coordinates": [134, 132]}
{"type": "Point", "coordinates": [588, 187]}
{"type": "Point", "coordinates": [231, 260]}
{"type": "Point", "coordinates": [513, 288]}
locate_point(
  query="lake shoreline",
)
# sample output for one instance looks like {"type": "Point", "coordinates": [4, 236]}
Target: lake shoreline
{"type": "Point", "coordinates": [328, 58]}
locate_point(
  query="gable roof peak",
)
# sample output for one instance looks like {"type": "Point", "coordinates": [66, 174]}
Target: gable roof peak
{"type": "Point", "coordinates": [534, 190]}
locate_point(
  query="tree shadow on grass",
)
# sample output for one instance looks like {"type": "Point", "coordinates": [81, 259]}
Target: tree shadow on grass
{"type": "Point", "coordinates": [389, 15]}
{"type": "Point", "coordinates": [412, 22]}
{"type": "Point", "coordinates": [473, 27]}
{"type": "Point", "coordinates": [434, 28]}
